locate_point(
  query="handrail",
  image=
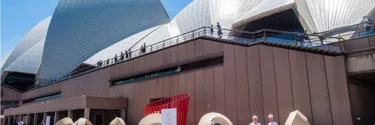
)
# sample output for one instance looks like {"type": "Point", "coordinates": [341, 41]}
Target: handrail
{"type": "Point", "coordinates": [294, 38]}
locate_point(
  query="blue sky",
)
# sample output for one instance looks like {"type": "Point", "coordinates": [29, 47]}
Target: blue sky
{"type": "Point", "coordinates": [19, 16]}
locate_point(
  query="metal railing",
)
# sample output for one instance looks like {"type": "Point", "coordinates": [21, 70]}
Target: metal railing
{"type": "Point", "coordinates": [316, 40]}
{"type": "Point", "coordinates": [354, 37]}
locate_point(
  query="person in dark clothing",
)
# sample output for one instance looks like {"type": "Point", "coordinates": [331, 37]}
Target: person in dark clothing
{"type": "Point", "coordinates": [99, 63]}
{"type": "Point", "coordinates": [212, 30]}
{"type": "Point", "coordinates": [130, 53]}
{"type": "Point", "coordinates": [141, 50]}
{"type": "Point", "coordinates": [121, 56]}
{"type": "Point", "coordinates": [107, 62]}
{"type": "Point", "coordinates": [219, 32]}
{"type": "Point", "coordinates": [126, 54]}
{"type": "Point", "coordinates": [144, 47]}
{"type": "Point", "coordinates": [115, 58]}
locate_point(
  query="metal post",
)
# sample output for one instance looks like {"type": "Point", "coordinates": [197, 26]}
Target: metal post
{"type": "Point", "coordinates": [204, 31]}
{"type": "Point", "coordinates": [264, 35]}
{"type": "Point", "coordinates": [252, 37]}
{"type": "Point", "coordinates": [193, 33]}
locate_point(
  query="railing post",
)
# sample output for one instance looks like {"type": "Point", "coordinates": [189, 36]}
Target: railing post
{"type": "Point", "coordinates": [193, 33]}
{"type": "Point", "coordinates": [252, 37]}
{"type": "Point", "coordinates": [264, 35]}
{"type": "Point", "coordinates": [204, 31]}
{"type": "Point", "coordinates": [358, 31]}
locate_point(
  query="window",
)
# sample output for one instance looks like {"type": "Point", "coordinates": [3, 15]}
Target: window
{"type": "Point", "coordinates": [42, 98]}
{"type": "Point", "coordinates": [170, 71]}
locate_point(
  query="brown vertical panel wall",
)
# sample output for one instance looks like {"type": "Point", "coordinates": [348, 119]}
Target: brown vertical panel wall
{"type": "Point", "coordinates": [283, 82]}
{"type": "Point", "coordinates": [9, 94]}
{"type": "Point", "coordinates": [301, 92]}
{"type": "Point", "coordinates": [209, 90]}
{"type": "Point", "coordinates": [338, 90]}
{"type": "Point", "coordinates": [242, 87]}
{"type": "Point", "coordinates": [230, 83]}
{"type": "Point", "coordinates": [255, 80]}
{"type": "Point", "coordinates": [321, 110]}
{"type": "Point", "coordinates": [268, 82]}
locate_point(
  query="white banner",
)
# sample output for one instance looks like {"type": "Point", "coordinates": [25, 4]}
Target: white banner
{"type": "Point", "coordinates": [169, 116]}
{"type": "Point", "coordinates": [48, 120]}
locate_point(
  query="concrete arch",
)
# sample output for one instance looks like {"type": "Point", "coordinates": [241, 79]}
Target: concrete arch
{"type": "Point", "coordinates": [216, 117]}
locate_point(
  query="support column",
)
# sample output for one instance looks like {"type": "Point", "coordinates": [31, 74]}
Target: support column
{"type": "Point", "coordinates": [27, 119]}
{"type": "Point", "coordinates": [44, 117]}
{"type": "Point", "coordinates": [87, 114]}
{"type": "Point", "coordinates": [70, 114]}
{"type": "Point", "coordinates": [56, 117]}
{"type": "Point", "coordinates": [35, 119]}
{"type": "Point", "coordinates": [8, 122]}
{"type": "Point", "coordinates": [123, 114]}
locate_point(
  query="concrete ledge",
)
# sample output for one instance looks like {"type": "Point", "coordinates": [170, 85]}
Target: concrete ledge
{"type": "Point", "coordinates": [80, 102]}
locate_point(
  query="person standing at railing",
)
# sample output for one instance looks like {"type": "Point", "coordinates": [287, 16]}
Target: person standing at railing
{"type": "Point", "coordinates": [368, 24]}
{"type": "Point", "coordinates": [121, 56]}
{"type": "Point", "coordinates": [99, 63]}
{"type": "Point", "coordinates": [212, 30]}
{"type": "Point", "coordinates": [126, 54]}
{"type": "Point", "coordinates": [141, 50]}
{"type": "Point", "coordinates": [144, 47]}
{"type": "Point", "coordinates": [115, 58]}
{"type": "Point", "coordinates": [219, 32]}
{"type": "Point", "coordinates": [130, 53]}
{"type": "Point", "coordinates": [107, 62]}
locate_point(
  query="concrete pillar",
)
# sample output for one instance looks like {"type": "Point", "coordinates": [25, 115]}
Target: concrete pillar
{"type": "Point", "coordinates": [123, 114]}
{"type": "Point", "coordinates": [70, 114]}
{"type": "Point", "coordinates": [56, 117]}
{"type": "Point", "coordinates": [87, 113]}
{"type": "Point", "coordinates": [27, 119]}
{"type": "Point", "coordinates": [35, 119]}
{"type": "Point", "coordinates": [8, 122]}
{"type": "Point", "coordinates": [44, 116]}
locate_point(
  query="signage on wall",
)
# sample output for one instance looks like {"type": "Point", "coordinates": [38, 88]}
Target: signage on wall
{"type": "Point", "coordinates": [169, 116]}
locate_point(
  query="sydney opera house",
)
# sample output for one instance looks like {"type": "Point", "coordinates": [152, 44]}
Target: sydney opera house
{"type": "Point", "coordinates": [99, 59]}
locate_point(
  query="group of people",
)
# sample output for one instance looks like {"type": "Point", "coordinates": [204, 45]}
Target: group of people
{"type": "Point", "coordinates": [16, 122]}
{"type": "Point", "coordinates": [270, 120]}
{"type": "Point", "coordinates": [127, 55]}
{"type": "Point", "coordinates": [219, 32]}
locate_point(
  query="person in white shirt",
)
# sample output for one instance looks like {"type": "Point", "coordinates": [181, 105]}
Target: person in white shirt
{"type": "Point", "coordinates": [255, 121]}
{"type": "Point", "coordinates": [270, 118]}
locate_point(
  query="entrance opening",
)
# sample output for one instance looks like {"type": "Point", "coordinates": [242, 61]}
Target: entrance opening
{"type": "Point", "coordinates": [284, 21]}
